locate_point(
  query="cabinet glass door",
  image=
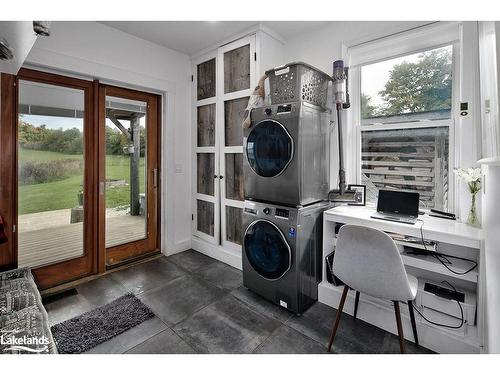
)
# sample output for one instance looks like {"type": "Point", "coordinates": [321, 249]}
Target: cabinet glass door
{"type": "Point", "coordinates": [206, 171]}
{"type": "Point", "coordinates": [238, 70]}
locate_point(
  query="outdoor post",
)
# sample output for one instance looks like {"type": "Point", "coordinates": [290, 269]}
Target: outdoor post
{"type": "Point", "coordinates": [134, 166]}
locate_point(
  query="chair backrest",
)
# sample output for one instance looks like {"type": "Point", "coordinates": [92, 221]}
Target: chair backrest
{"type": "Point", "coordinates": [368, 261]}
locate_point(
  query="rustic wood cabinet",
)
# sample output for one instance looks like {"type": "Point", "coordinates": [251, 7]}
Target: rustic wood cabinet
{"type": "Point", "coordinates": [223, 81]}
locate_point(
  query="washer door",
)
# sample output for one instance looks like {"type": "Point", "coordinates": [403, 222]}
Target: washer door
{"type": "Point", "coordinates": [267, 250]}
{"type": "Point", "coordinates": [269, 148]}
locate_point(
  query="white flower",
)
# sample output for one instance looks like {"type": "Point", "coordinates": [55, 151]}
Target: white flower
{"type": "Point", "coordinates": [469, 174]}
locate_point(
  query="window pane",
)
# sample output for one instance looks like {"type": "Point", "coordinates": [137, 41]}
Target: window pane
{"type": "Point", "coordinates": [413, 160]}
{"type": "Point", "coordinates": [125, 169]}
{"type": "Point", "coordinates": [409, 88]}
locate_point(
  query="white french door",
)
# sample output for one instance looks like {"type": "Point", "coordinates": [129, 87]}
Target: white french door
{"type": "Point", "coordinates": [223, 82]}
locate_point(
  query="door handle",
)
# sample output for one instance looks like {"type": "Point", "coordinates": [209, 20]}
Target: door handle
{"type": "Point", "coordinates": [155, 177]}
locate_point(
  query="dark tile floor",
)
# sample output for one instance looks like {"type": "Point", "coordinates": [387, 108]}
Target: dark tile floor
{"type": "Point", "coordinates": [202, 307]}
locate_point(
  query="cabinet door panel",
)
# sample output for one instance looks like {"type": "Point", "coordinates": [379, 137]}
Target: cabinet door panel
{"type": "Point", "coordinates": [234, 176]}
{"type": "Point", "coordinates": [206, 172]}
{"type": "Point", "coordinates": [206, 80]}
{"type": "Point", "coordinates": [237, 69]}
{"type": "Point", "coordinates": [234, 111]}
{"type": "Point", "coordinates": [233, 224]}
{"type": "Point", "coordinates": [206, 125]}
{"type": "Point", "coordinates": [205, 217]}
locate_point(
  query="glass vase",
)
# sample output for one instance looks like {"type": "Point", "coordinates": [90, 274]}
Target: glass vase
{"type": "Point", "coordinates": [472, 218]}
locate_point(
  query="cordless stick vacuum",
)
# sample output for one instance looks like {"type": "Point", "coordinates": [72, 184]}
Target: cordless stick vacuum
{"type": "Point", "coordinates": [341, 100]}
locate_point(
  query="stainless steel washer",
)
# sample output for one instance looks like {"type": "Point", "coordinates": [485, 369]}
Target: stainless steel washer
{"type": "Point", "coordinates": [282, 249]}
{"type": "Point", "coordinates": [287, 154]}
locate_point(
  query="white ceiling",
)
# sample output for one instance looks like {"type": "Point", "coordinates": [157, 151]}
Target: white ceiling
{"type": "Point", "coordinates": [190, 37]}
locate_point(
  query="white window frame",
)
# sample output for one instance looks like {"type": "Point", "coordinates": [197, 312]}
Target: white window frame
{"type": "Point", "coordinates": [402, 44]}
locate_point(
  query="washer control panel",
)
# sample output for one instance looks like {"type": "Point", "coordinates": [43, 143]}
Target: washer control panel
{"type": "Point", "coordinates": [282, 213]}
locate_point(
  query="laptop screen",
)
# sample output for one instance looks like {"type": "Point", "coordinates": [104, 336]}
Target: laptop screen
{"type": "Point", "coordinates": [398, 202]}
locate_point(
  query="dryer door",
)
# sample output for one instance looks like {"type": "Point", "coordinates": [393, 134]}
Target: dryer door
{"type": "Point", "coordinates": [269, 148]}
{"type": "Point", "coordinates": [267, 250]}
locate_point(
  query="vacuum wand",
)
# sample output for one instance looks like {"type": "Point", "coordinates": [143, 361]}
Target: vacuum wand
{"type": "Point", "coordinates": [341, 99]}
{"type": "Point", "coordinates": [342, 183]}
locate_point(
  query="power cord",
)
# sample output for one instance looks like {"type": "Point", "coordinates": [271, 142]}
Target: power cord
{"type": "Point", "coordinates": [440, 257]}
{"type": "Point", "coordinates": [462, 320]}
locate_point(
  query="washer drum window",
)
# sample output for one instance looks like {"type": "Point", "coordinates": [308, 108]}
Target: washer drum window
{"type": "Point", "coordinates": [267, 250]}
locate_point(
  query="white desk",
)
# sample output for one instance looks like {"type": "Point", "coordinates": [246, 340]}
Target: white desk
{"type": "Point", "coordinates": [453, 238]}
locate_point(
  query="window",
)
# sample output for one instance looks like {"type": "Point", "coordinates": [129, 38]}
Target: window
{"type": "Point", "coordinates": [405, 116]}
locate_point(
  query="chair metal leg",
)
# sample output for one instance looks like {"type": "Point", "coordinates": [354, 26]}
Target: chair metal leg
{"type": "Point", "coordinates": [400, 327]}
{"type": "Point", "coordinates": [356, 303]}
{"type": "Point", "coordinates": [337, 318]}
{"type": "Point", "coordinates": [413, 324]}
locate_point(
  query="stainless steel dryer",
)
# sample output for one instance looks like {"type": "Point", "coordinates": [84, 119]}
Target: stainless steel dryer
{"type": "Point", "coordinates": [287, 154]}
{"type": "Point", "coordinates": [282, 249]}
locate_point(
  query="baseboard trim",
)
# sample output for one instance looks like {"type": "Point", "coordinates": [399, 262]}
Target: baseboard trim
{"type": "Point", "coordinates": [217, 252]}
{"type": "Point", "coordinates": [179, 247]}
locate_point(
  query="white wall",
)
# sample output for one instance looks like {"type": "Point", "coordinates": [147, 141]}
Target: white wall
{"type": "Point", "coordinates": [96, 51]}
{"type": "Point", "coordinates": [321, 47]}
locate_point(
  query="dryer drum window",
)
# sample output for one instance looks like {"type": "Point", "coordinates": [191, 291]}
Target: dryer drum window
{"type": "Point", "coordinates": [269, 148]}
{"type": "Point", "coordinates": [267, 250]}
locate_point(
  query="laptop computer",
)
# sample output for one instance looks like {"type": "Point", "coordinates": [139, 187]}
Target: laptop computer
{"type": "Point", "coordinates": [397, 206]}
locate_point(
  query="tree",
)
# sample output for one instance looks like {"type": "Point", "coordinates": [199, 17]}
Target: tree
{"type": "Point", "coordinates": [367, 110]}
{"type": "Point", "coordinates": [419, 86]}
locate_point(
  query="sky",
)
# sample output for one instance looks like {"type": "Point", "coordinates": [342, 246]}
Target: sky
{"type": "Point", "coordinates": [375, 76]}
{"type": "Point", "coordinates": [65, 123]}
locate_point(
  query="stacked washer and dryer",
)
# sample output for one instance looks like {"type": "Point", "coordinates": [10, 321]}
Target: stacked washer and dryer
{"type": "Point", "coordinates": [286, 172]}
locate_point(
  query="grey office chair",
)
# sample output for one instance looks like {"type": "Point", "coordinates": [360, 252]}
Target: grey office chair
{"type": "Point", "coordinates": [368, 261]}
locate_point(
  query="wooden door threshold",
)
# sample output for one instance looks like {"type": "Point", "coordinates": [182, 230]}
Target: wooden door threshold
{"type": "Point", "coordinates": [73, 284]}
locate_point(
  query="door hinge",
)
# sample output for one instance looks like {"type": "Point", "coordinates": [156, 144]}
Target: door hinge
{"type": "Point", "coordinates": [14, 229]}
{"type": "Point", "coordinates": [192, 78]}
{"type": "Point", "coordinates": [255, 56]}
{"type": "Point", "coordinates": [192, 217]}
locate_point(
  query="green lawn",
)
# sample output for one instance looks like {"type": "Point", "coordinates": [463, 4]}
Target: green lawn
{"type": "Point", "coordinates": [64, 194]}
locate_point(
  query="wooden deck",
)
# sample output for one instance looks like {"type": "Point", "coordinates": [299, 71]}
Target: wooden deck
{"type": "Point", "coordinates": [63, 242]}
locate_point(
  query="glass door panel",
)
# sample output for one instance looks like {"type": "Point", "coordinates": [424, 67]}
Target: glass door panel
{"type": "Point", "coordinates": [234, 224]}
{"type": "Point", "coordinates": [125, 168]}
{"type": "Point", "coordinates": [205, 217]}
{"type": "Point", "coordinates": [206, 169]}
{"type": "Point", "coordinates": [206, 125]}
{"type": "Point", "coordinates": [206, 80]}
{"type": "Point", "coordinates": [237, 69]}
{"type": "Point", "coordinates": [234, 111]}
{"type": "Point", "coordinates": [128, 173]}
{"type": "Point", "coordinates": [51, 165]}
{"type": "Point", "coordinates": [206, 173]}
{"type": "Point", "coordinates": [239, 77]}
{"type": "Point", "coordinates": [234, 176]}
